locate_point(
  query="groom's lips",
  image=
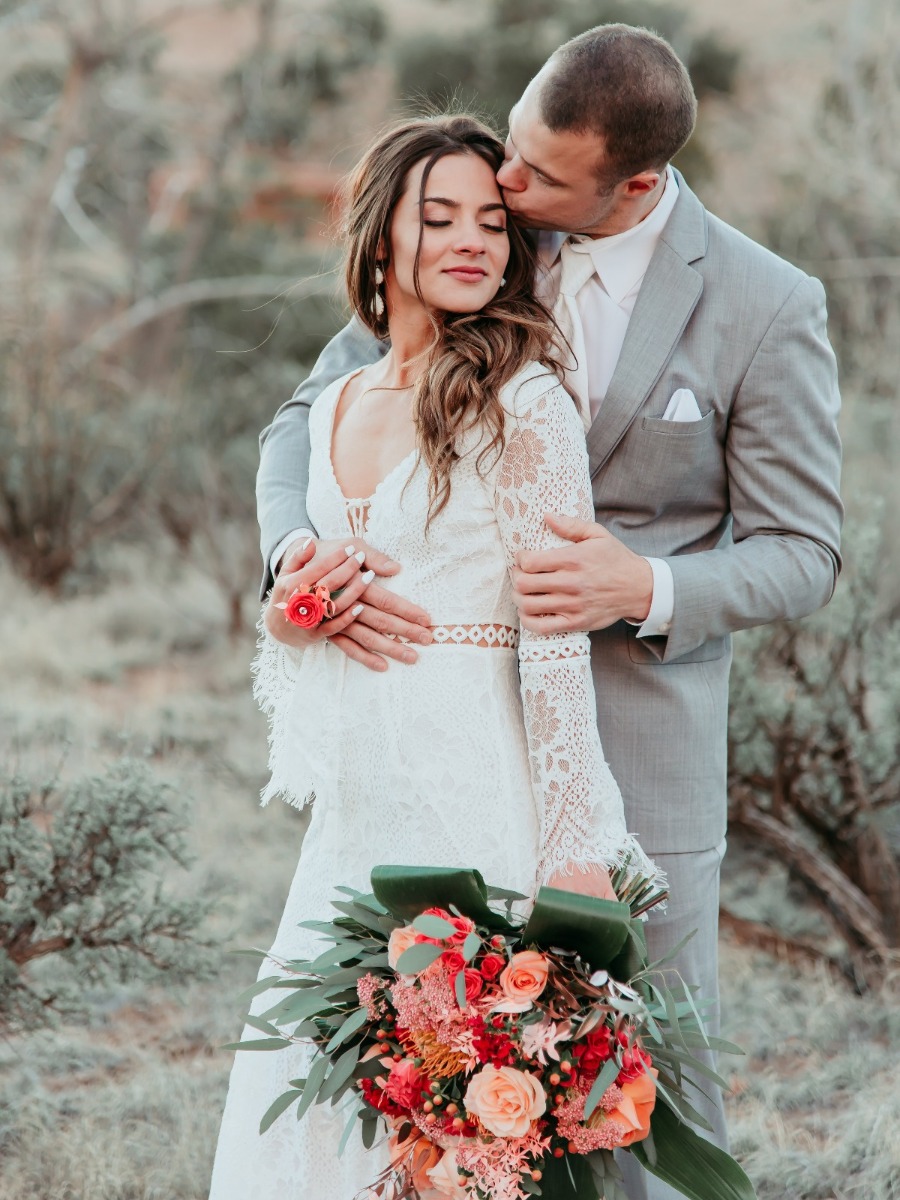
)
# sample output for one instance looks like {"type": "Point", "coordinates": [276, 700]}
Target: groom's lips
{"type": "Point", "coordinates": [466, 274]}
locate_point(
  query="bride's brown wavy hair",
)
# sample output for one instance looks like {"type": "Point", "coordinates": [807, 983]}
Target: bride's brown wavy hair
{"type": "Point", "coordinates": [473, 354]}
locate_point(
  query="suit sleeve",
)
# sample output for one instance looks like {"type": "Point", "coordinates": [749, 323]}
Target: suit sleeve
{"type": "Point", "coordinates": [783, 458]}
{"type": "Point", "coordinates": [283, 475]}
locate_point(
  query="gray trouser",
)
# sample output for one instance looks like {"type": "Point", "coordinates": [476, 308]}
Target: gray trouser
{"type": "Point", "coordinates": [693, 904]}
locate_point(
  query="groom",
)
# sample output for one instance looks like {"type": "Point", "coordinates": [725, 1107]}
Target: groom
{"type": "Point", "coordinates": [708, 387]}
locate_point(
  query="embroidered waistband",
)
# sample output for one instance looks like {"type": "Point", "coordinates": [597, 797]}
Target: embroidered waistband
{"type": "Point", "coordinates": [473, 635]}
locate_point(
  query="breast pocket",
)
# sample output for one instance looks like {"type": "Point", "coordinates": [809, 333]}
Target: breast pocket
{"type": "Point", "coordinates": [679, 429]}
{"type": "Point", "coordinates": [677, 463]}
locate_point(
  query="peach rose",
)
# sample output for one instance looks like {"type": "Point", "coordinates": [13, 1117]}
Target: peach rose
{"type": "Point", "coordinates": [525, 977]}
{"type": "Point", "coordinates": [401, 939]}
{"type": "Point", "coordinates": [634, 1110]}
{"type": "Point", "coordinates": [445, 1177]}
{"type": "Point", "coordinates": [418, 1155]}
{"type": "Point", "coordinates": [505, 1101]}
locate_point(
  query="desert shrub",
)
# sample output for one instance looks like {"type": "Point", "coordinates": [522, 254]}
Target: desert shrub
{"type": "Point", "coordinates": [70, 476]}
{"type": "Point", "coordinates": [814, 767]}
{"type": "Point", "coordinates": [83, 899]}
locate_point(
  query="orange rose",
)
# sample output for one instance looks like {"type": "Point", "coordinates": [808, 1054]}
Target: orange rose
{"type": "Point", "coordinates": [525, 977]}
{"type": "Point", "coordinates": [418, 1155]}
{"type": "Point", "coordinates": [634, 1110]}
{"type": "Point", "coordinates": [401, 939]}
{"type": "Point", "coordinates": [505, 1101]}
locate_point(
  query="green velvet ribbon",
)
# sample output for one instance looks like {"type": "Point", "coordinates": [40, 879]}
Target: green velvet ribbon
{"type": "Point", "coordinates": [607, 937]}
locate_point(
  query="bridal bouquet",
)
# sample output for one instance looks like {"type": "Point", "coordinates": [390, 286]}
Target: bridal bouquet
{"type": "Point", "coordinates": [505, 1058]}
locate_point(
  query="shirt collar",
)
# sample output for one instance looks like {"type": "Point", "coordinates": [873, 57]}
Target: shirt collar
{"type": "Point", "coordinates": [621, 260]}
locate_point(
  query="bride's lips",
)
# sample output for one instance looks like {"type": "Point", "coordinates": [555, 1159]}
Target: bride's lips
{"type": "Point", "coordinates": [466, 274]}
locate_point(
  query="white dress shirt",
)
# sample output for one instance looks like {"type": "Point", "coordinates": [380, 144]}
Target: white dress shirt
{"type": "Point", "coordinates": [605, 304]}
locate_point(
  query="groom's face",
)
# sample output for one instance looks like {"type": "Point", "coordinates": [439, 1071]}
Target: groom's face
{"type": "Point", "coordinates": [553, 180]}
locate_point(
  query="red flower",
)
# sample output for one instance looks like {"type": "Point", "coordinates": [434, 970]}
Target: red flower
{"type": "Point", "coordinates": [304, 609]}
{"type": "Point", "coordinates": [453, 962]}
{"type": "Point", "coordinates": [464, 926]}
{"type": "Point", "coordinates": [405, 1083]}
{"type": "Point", "coordinates": [492, 965]}
{"type": "Point", "coordinates": [474, 984]}
{"type": "Point", "coordinates": [633, 1062]}
{"type": "Point", "coordinates": [376, 1097]}
{"type": "Point", "coordinates": [593, 1051]}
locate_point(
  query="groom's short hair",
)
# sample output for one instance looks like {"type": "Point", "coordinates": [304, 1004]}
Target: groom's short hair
{"type": "Point", "coordinates": [627, 85]}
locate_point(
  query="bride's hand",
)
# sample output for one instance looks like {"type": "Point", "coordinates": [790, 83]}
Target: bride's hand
{"type": "Point", "coordinates": [365, 614]}
{"type": "Point", "coordinates": [592, 882]}
{"type": "Point", "coordinates": [335, 566]}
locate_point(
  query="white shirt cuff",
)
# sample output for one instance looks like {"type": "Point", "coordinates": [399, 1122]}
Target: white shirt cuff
{"type": "Point", "coordinates": [662, 605]}
{"type": "Point", "coordinates": [278, 552]}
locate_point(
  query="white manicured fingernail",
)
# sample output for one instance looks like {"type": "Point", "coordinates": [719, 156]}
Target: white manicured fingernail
{"type": "Point", "coordinates": [356, 611]}
{"type": "Point", "coordinates": [350, 551]}
{"type": "Point", "coordinates": [360, 556]}
{"type": "Point", "coordinates": [368, 577]}
{"type": "Point", "coordinates": [306, 543]}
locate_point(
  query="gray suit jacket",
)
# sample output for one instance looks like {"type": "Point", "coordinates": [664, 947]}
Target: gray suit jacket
{"type": "Point", "coordinates": [743, 504]}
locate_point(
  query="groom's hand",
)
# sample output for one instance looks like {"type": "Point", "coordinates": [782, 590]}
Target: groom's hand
{"type": "Point", "coordinates": [368, 619]}
{"type": "Point", "coordinates": [589, 584]}
{"type": "Point", "coordinates": [592, 881]}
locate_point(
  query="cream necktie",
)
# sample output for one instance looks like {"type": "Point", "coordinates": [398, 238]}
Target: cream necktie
{"type": "Point", "coordinates": [577, 269]}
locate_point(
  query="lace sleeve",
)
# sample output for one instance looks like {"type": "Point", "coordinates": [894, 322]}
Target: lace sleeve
{"type": "Point", "coordinates": [544, 468]}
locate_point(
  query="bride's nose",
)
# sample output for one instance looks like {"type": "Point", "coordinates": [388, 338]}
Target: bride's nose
{"type": "Point", "coordinates": [471, 240]}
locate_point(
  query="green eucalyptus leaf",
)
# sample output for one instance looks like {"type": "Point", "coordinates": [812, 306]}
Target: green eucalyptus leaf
{"type": "Point", "coordinates": [285, 1100]}
{"type": "Point", "coordinates": [471, 946]}
{"type": "Point", "coordinates": [459, 986]}
{"type": "Point", "coordinates": [313, 1083]}
{"type": "Point", "coordinates": [354, 1022]}
{"type": "Point", "coordinates": [417, 958]}
{"type": "Point", "coordinates": [271, 1043]}
{"type": "Point", "coordinates": [606, 1077]}
{"type": "Point", "coordinates": [340, 1073]}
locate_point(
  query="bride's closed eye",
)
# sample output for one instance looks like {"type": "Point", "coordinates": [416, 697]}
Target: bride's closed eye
{"type": "Point", "coordinates": [444, 224]}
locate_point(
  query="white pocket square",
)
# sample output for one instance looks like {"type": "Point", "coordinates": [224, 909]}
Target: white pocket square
{"type": "Point", "coordinates": [682, 407]}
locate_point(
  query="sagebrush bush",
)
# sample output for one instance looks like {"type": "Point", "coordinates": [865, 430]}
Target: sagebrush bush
{"type": "Point", "coordinates": [814, 732]}
{"type": "Point", "coordinates": [84, 900]}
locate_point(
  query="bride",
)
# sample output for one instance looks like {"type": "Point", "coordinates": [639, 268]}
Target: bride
{"type": "Point", "coordinates": [445, 455]}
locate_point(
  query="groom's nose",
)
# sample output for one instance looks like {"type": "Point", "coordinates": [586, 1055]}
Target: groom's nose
{"type": "Point", "coordinates": [510, 176]}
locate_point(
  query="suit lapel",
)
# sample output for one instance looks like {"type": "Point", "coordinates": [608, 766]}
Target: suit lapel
{"type": "Point", "coordinates": [668, 296]}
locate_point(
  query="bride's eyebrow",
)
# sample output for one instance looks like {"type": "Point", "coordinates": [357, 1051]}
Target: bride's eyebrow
{"type": "Point", "coordinates": [455, 203]}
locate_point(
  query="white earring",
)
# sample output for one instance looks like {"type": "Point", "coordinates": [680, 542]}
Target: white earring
{"type": "Point", "coordinates": [503, 281]}
{"type": "Point", "coordinates": [378, 301]}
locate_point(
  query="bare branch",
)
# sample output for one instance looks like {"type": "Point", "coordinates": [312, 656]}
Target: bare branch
{"type": "Point", "coordinates": [198, 291]}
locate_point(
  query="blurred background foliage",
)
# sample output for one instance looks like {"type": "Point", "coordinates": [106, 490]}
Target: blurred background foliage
{"type": "Point", "coordinates": [168, 246]}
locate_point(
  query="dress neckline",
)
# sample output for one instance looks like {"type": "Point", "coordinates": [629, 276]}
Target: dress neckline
{"type": "Point", "coordinates": [356, 501]}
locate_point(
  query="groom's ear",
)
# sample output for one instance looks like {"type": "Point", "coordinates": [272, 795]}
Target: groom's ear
{"type": "Point", "coordinates": [640, 185]}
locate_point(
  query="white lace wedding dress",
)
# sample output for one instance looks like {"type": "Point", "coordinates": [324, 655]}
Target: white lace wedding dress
{"type": "Point", "coordinates": [475, 756]}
